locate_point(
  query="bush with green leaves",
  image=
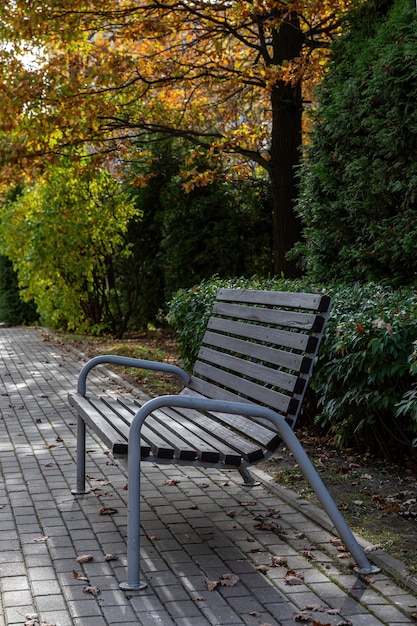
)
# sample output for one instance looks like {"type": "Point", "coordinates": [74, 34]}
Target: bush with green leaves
{"type": "Point", "coordinates": [358, 181]}
{"type": "Point", "coordinates": [363, 388]}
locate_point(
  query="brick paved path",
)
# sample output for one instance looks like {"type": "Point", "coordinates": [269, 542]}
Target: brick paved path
{"type": "Point", "coordinates": [197, 526]}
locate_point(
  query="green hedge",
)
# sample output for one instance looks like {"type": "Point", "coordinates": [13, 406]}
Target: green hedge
{"type": "Point", "coordinates": [364, 387]}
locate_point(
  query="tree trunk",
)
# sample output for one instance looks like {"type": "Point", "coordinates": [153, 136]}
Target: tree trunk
{"type": "Point", "coordinates": [286, 100]}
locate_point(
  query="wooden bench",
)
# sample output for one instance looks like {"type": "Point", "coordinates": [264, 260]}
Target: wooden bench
{"type": "Point", "coordinates": [240, 403]}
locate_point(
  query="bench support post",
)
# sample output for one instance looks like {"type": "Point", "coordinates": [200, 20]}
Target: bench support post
{"type": "Point", "coordinates": [80, 484]}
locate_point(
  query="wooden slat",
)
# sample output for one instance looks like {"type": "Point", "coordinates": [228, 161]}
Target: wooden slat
{"type": "Point", "coordinates": [109, 434]}
{"type": "Point", "coordinates": [169, 425]}
{"type": "Point", "coordinates": [248, 369]}
{"type": "Point", "coordinates": [260, 431]}
{"type": "Point", "coordinates": [283, 338]}
{"type": "Point", "coordinates": [298, 300]}
{"type": "Point", "coordinates": [277, 317]}
{"type": "Point", "coordinates": [243, 387]}
{"type": "Point", "coordinates": [207, 435]}
{"type": "Point", "coordinates": [261, 352]}
{"type": "Point", "coordinates": [160, 448]}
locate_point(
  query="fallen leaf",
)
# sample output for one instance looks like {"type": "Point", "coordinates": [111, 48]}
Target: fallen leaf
{"type": "Point", "coordinates": [262, 568]}
{"type": "Point", "coordinates": [79, 576]}
{"type": "Point", "coordinates": [294, 578]}
{"type": "Point", "coordinates": [229, 580]}
{"type": "Point", "coordinates": [369, 549]}
{"type": "Point", "coordinates": [42, 538]}
{"type": "Point", "coordinates": [198, 599]}
{"type": "Point", "coordinates": [279, 561]}
{"type": "Point", "coordinates": [254, 614]}
{"type": "Point", "coordinates": [93, 590]}
{"type": "Point", "coordinates": [84, 558]}
{"type": "Point", "coordinates": [302, 616]}
{"type": "Point", "coordinates": [333, 611]}
{"type": "Point", "coordinates": [153, 538]}
{"type": "Point", "coordinates": [111, 557]}
{"type": "Point", "coordinates": [211, 584]}
{"type": "Point", "coordinates": [108, 510]}
{"type": "Point", "coordinates": [231, 513]}
{"type": "Point", "coordinates": [309, 555]}
{"type": "Point", "coordinates": [247, 503]}
{"type": "Point", "coordinates": [172, 481]}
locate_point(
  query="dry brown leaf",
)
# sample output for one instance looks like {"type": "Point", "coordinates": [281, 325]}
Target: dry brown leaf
{"type": "Point", "coordinates": [254, 613]}
{"type": "Point", "coordinates": [79, 576]}
{"type": "Point", "coordinates": [108, 510]}
{"type": "Point", "coordinates": [211, 584]}
{"type": "Point", "coordinates": [231, 513]}
{"type": "Point", "coordinates": [90, 589]}
{"type": "Point", "coordinates": [309, 555]}
{"type": "Point", "coordinates": [368, 579]}
{"type": "Point", "coordinates": [336, 541]}
{"type": "Point", "coordinates": [262, 568]}
{"type": "Point", "coordinates": [279, 561]}
{"type": "Point", "coordinates": [229, 580]}
{"type": "Point", "coordinates": [333, 611]}
{"type": "Point", "coordinates": [172, 481]}
{"type": "Point", "coordinates": [84, 558]}
{"type": "Point", "coordinates": [153, 538]}
{"type": "Point", "coordinates": [369, 549]}
{"type": "Point", "coordinates": [294, 578]}
{"type": "Point", "coordinates": [302, 616]}
{"type": "Point", "coordinates": [247, 503]}
{"type": "Point", "coordinates": [111, 557]}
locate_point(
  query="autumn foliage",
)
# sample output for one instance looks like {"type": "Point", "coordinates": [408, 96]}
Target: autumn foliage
{"type": "Point", "coordinates": [227, 76]}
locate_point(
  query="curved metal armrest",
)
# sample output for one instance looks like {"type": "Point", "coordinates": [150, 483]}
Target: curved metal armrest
{"type": "Point", "coordinates": [127, 362]}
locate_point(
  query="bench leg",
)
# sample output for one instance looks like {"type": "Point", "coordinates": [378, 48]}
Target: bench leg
{"type": "Point", "coordinates": [133, 582]}
{"type": "Point", "coordinates": [248, 478]}
{"type": "Point", "coordinates": [80, 485]}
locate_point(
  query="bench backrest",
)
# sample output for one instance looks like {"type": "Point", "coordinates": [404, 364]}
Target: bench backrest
{"type": "Point", "coordinates": [260, 346]}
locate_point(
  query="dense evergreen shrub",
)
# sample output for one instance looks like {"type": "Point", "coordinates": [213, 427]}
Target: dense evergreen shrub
{"type": "Point", "coordinates": [186, 236]}
{"type": "Point", "coordinates": [13, 311]}
{"type": "Point", "coordinates": [358, 182]}
{"type": "Point", "coordinates": [363, 389]}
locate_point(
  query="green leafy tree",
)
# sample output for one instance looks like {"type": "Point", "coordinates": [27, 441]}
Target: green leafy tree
{"type": "Point", "coordinates": [63, 234]}
{"type": "Point", "coordinates": [358, 190]}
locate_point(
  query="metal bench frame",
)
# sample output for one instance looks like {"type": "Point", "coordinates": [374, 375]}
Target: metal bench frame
{"type": "Point", "coordinates": [223, 384]}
